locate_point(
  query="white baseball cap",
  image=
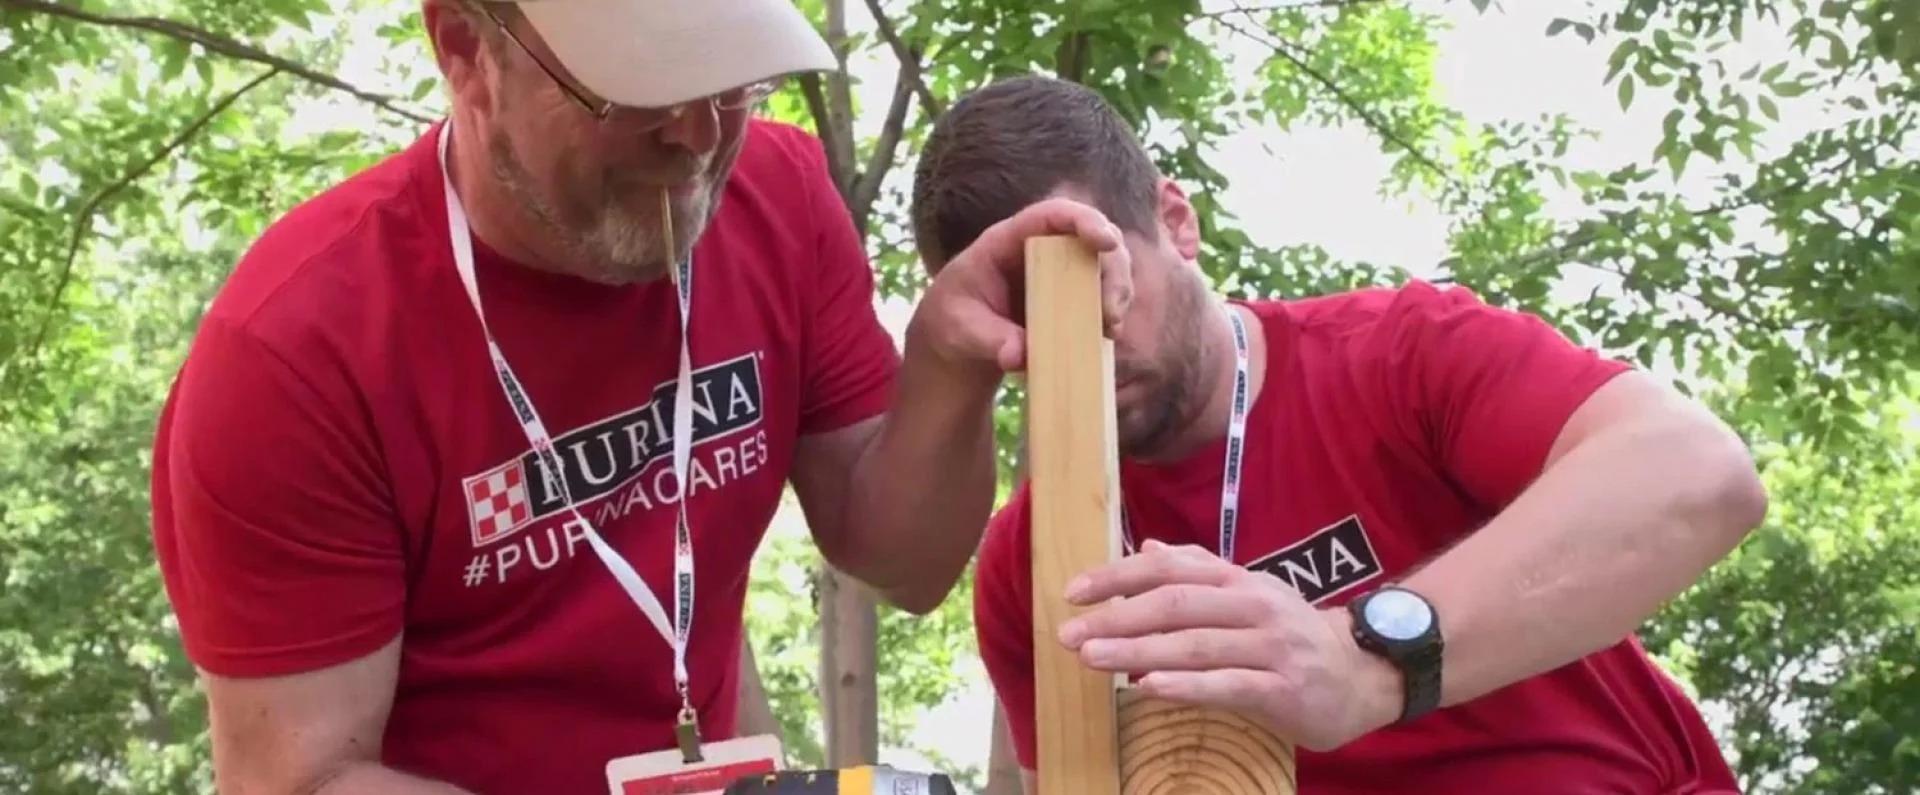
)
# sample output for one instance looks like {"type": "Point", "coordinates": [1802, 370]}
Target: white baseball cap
{"type": "Point", "coordinates": [653, 53]}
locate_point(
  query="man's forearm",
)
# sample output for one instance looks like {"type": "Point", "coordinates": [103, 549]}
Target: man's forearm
{"type": "Point", "coordinates": [1620, 524]}
{"type": "Point", "coordinates": [349, 778]}
{"type": "Point", "coordinates": [922, 491]}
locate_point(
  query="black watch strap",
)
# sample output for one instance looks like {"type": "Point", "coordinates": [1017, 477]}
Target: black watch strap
{"type": "Point", "coordinates": [1417, 658]}
{"type": "Point", "coordinates": [1421, 673]}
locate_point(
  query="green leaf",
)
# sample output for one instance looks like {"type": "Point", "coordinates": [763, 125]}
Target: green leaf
{"type": "Point", "coordinates": [1708, 145]}
{"type": "Point", "coordinates": [1767, 107]}
{"type": "Point", "coordinates": [1557, 25]}
{"type": "Point", "coordinates": [1626, 91]}
{"type": "Point", "coordinates": [173, 58]}
{"type": "Point", "coordinates": [1626, 49]}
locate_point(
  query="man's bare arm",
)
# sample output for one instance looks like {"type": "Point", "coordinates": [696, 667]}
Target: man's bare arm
{"type": "Point", "coordinates": [1642, 491]}
{"type": "Point", "coordinates": [899, 502]}
{"type": "Point", "coordinates": [315, 733]}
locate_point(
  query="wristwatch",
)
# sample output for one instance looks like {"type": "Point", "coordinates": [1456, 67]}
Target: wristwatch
{"type": "Point", "coordinates": [1402, 627]}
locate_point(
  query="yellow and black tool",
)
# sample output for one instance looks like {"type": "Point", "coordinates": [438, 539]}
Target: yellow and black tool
{"type": "Point", "coordinates": [864, 780]}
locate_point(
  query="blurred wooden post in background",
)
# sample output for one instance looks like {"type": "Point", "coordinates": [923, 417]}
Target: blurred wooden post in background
{"type": "Point", "coordinates": [755, 715]}
{"type": "Point", "coordinates": [849, 627]}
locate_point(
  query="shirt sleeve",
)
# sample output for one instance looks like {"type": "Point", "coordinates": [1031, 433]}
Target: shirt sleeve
{"type": "Point", "coordinates": [850, 358]}
{"type": "Point", "coordinates": [1488, 388]}
{"type": "Point", "coordinates": [1003, 620]}
{"type": "Point", "coordinates": [273, 525]}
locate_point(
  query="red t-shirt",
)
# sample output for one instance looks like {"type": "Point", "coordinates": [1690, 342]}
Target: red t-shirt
{"type": "Point", "coordinates": [1390, 424]}
{"type": "Point", "coordinates": [337, 463]}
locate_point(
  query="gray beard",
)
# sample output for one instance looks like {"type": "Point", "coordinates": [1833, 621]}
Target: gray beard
{"type": "Point", "coordinates": [613, 247]}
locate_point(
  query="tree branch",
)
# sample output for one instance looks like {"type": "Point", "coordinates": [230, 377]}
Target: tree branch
{"type": "Point", "coordinates": [1285, 50]}
{"type": "Point", "coordinates": [867, 187]}
{"type": "Point", "coordinates": [215, 43]}
{"type": "Point", "coordinates": [1713, 304]}
{"type": "Point", "coordinates": [1561, 253]}
{"type": "Point", "coordinates": [1282, 7]}
{"type": "Point", "coordinates": [840, 98]}
{"type": "Point", "coordinates": [83, 220]}
{"type": "Point", "coordinates": [906, 56]}
{"type": "Point", "coordinates": [826, 128]}
{"type": "Point", "coordinates": [1070, 58]}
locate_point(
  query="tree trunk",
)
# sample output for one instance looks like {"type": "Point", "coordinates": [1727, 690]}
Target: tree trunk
{"type": "Point", "coordinates": [849, 624]}
{"type": "Point", "coordinates": [849, 629]}
{"type": "Point", "coordinates": [755, 714]}
{"type": "Point", "coordinates": [1003, 766]}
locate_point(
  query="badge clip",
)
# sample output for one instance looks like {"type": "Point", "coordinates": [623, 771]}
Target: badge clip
{"type": "Point", "coordinates": [688, 733]}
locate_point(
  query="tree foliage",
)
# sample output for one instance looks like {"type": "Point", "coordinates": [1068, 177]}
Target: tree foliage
{"type": "Point", "coordinates": [1807, 635]}
{"type": "Point", "coordinates": [1762, 251]}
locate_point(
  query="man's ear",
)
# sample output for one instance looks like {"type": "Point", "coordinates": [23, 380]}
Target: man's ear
{"type": "Point", "coordinates": [460, 48]}
{"type": "Point", "coordinates": [1178, 221]}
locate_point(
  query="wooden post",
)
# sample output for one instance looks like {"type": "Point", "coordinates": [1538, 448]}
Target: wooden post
{"type": "Point", "coordinates": [1175, 748]}
{"type": "Point", "coordinates": [848, 679]}
{"type": "Point", "coordinates": [755, 712]}
{"type": "Point", "coordinates": [1070, 445]}
{"type": "Point", "coordinates": [1096, 736]}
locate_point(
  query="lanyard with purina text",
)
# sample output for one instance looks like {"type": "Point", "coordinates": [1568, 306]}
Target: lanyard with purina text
{"type": "Point", "coordinates": [688, 728]}
{"type": "Point", "coordinates": [1236, 449]}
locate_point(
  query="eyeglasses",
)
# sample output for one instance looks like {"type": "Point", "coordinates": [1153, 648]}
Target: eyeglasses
{"type": "Point", "coordinates": [738, 98]}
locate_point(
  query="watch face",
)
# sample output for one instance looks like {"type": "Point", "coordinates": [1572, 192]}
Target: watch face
{"type": "Point", "coordinates": [1398, 615]}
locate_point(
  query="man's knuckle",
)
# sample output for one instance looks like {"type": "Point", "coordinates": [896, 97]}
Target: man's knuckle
{"type": "Point", "coordinates": [1178, 601]}
{"type": "Point", "coordinates": [1160, 565]}
{"type": "Point", "coordinates": [1204, 648]}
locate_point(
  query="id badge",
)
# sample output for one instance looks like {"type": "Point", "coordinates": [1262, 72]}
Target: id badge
{"type": "Point", "coordinates": [668, 773]}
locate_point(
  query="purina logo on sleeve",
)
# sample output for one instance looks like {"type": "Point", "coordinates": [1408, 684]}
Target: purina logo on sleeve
{"type": "Point", "coordinates": [1333, 559]}
{"type": "Point", "coordinates": [610, 457]}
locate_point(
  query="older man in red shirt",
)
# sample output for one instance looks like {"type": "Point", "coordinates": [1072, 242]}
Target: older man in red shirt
{"type": "Point", "coordinates": [459, 486]}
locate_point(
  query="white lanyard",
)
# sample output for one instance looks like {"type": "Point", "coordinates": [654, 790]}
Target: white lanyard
{"type": "Point", "coordinates": [1236, 448]}
{"type": "Point", "coordinates": [537, 436]}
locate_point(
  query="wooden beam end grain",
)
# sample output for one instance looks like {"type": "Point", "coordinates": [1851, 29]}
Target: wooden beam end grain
{"type": "Point", "coordinates": [1176, 748]}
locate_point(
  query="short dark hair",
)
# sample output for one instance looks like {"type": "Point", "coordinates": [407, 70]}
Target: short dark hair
{"type": "Point", "coordinates": [1011, 143]}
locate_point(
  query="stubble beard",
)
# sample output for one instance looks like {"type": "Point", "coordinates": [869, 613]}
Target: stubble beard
{"type": "Point", "coordinates": [1168, 408]}
{"type": "Point", "coordinates": [617, 240]}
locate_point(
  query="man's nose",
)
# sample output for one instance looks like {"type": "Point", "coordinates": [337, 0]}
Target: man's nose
{"type": "Point", "coordinates": [694, 126]}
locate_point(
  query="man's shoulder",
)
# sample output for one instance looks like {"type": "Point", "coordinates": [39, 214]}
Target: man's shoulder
{"type": "Point", "coordinates": [1374, 306]}
{"type": "Point", "coordinates": [323, 254]}
{"type": "Point", "coordinates": [778, 193]}
{"type": "Point", "coordinates": [779, 151]}
{"type": "Point", "coordinates": [1386, 319]}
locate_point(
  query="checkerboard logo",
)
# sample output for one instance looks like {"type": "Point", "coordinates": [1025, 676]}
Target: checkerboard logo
{"type": "Point", "coordinates": [604, 460]}
{"type": "Point", "coordinates": [497, 502]}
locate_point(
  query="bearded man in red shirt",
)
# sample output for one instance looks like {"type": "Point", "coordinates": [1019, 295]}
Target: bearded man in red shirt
{"type": "Point", "coordinates": [459, 486]}
{"type": "Point", "coordinates": [1408, 531]}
